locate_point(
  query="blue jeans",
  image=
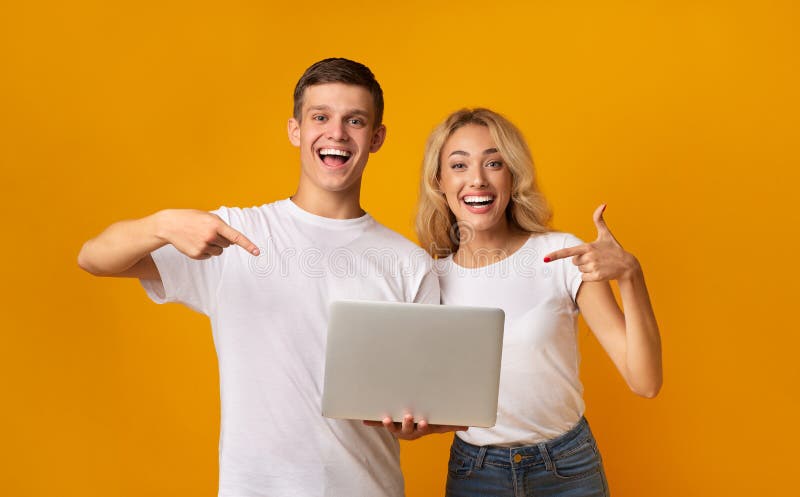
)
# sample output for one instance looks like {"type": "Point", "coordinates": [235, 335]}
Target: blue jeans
{"type": "Point", "coordinates": [566, 466]}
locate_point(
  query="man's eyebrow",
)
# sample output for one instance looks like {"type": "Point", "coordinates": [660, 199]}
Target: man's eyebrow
{"type": "Point", "coordinates": [319, 107]}
{"type": "Point", "coordinates": [349, 112]}
{"type": "Point", "coordinates": [466, 154]}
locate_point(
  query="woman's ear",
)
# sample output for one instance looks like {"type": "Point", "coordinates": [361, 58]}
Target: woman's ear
{"type": "Point", "coordinates": [438, 186]}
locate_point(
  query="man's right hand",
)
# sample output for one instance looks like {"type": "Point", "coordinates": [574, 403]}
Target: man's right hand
{"type": "Point", "coordinates": [200, 234]}
{"type": "Point", "coordinates": [124, 248]}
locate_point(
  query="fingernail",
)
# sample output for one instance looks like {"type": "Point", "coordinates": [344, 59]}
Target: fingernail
{"type": "Point", "coordinates": [604, 208]}
{"type": "Point", "coordinates": [546, 259]}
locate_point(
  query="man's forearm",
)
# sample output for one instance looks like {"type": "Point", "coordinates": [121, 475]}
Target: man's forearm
{"type": "Point", "coordinates": [121, 246]}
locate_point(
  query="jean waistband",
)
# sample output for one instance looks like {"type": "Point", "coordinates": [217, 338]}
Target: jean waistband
{"type": "Point", "coordinates": [527, 455]}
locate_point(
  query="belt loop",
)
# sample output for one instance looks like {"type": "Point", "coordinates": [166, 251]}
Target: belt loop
{"type": "Point", "coordinates": [479, 459]}
{"type": "Point", "coordinates": [548, 463]}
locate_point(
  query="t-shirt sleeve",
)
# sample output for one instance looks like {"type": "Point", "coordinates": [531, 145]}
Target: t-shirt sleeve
{"type": "Point", "coordinates": [572, 275]}
{"type": "Point", "coordinates": [185, 280]}
{"type": "Point", "coordinates": [427, 290]}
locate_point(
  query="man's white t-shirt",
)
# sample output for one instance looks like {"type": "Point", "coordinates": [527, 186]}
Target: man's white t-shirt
{"type": "Point", "coordinates": [541, 395]}
{"type": "Point", "coordinates": [269, 319]}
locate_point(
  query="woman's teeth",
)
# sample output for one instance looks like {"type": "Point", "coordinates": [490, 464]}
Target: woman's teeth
{"type": "Point", "coordinates": [478, 201]}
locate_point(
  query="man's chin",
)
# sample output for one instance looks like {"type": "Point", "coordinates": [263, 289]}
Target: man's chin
{"type": "Point", "coordinates": [338, 185]}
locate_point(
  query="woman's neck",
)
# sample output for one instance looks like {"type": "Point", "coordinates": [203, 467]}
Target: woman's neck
{"type": "Point", "coordinates": [478, 249]}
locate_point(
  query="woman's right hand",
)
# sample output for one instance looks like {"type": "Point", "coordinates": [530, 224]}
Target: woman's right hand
{"type": "Point", "coordinates": [603, 259]}
{"type": "Point", "coordinates": [632, 339]}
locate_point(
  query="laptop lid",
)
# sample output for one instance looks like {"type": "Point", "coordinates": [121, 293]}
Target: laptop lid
{"type": "Point", "coordinates": [440, 363]}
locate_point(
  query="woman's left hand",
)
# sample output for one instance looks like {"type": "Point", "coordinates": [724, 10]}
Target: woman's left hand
{"type": "Point", "coordinates": [601, 260]}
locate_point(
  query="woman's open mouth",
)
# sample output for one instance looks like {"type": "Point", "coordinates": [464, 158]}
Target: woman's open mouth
{"type": "Point", "coordinates": [478, 203]}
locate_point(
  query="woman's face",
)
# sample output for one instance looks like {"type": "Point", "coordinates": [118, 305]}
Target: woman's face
{"type": "Point", "coordinates": [475, 180]}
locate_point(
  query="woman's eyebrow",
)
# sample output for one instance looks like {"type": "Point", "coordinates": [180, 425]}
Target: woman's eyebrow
{"type": "Point", "coordinates": [466, 154]}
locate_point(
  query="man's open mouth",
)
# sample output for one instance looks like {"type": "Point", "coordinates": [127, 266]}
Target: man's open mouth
{"type": "Point", "coordinates": [334, 157]}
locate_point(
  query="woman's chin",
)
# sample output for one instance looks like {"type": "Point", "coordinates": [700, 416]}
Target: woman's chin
{"type": "Point", "coordinates": [482, 224]}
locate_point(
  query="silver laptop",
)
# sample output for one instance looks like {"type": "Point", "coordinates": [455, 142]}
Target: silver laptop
{"type": "Point", "coordinates": [439, 363]}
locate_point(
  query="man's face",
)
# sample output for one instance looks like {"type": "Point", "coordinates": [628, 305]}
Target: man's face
{"type": "Point", "coordinates": [336, 134]}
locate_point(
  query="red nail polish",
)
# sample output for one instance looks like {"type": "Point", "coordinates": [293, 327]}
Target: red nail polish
{"type": "Point", "coordinates": [546, 259]}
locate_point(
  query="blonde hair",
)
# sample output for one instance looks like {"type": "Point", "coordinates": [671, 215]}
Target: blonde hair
{"type": "Point", "coordinates": [527, 209]}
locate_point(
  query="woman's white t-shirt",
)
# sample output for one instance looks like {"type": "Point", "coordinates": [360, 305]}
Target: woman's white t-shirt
{"type": "Point", "coordinates": [541, 395]}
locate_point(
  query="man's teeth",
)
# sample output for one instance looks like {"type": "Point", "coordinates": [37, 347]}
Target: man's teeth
{"type": "Point", "coordinates": [333, 151]}
{"type": "Point", "coordinates": [478, 200]}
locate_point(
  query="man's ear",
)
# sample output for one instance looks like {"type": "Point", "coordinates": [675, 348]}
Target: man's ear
{"type": "Point", "coordinates": [293, 128]}
{"type": "Point", "coordinates": [377, 139]}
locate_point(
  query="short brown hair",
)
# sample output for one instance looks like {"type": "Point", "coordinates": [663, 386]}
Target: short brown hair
{"type": "Point", "coordinates": [339, 70]}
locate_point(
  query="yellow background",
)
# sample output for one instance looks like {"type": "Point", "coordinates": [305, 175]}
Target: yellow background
{"type": "Point", "coordinates": [683, 116]}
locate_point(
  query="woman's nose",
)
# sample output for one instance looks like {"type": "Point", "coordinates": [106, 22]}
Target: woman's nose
{"type": "Point", "coordinates": [478, 178]}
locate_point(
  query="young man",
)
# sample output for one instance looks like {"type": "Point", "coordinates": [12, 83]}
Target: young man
{"type": "Point", "coordinates": [268, 298]}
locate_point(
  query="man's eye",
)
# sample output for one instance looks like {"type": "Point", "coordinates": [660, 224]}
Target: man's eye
{"type": "Point", "coordinates": [356, 122]}
{"type": "Point", "coordinates": [319, 118]}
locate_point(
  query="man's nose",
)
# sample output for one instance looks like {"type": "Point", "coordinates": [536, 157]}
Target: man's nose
{"type": "Point", "coordinates": [337, 130]}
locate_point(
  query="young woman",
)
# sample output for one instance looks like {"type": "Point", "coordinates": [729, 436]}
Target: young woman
{"type": "Point", "coordinates": [480, 212]}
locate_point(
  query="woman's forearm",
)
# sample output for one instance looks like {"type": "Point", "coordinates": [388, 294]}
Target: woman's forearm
{"type": "Point", "coordinates": [643, 340]}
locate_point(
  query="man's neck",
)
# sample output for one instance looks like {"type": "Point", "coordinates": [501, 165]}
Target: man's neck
{"type": "Point", "coordinates": [334, 205]}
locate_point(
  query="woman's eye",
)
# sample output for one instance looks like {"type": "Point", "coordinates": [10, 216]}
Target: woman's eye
{"type": "Point", "coordinates": [458, 165]}
{"type": "Point", "coordinates": [495, 164]}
